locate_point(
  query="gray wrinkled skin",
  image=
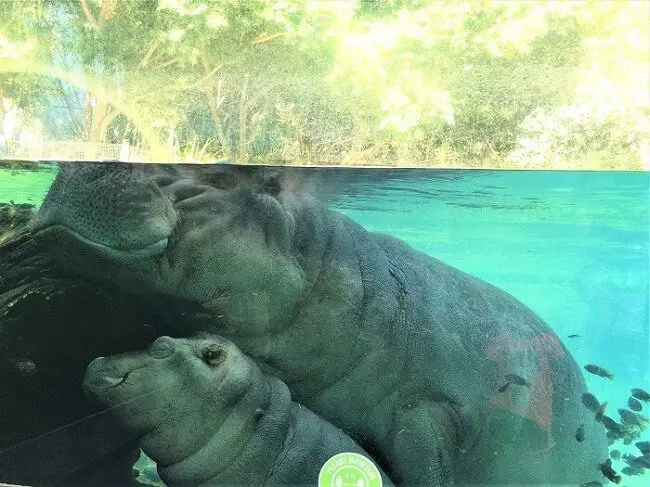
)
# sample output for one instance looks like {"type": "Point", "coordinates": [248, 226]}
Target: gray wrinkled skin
{"type": "Point", "coordinates": [208, 416]}
{"type": "Point", "coordinates": [401, 351]}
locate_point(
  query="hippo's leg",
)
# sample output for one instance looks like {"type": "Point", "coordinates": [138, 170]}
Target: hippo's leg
{"type": "Point", "coordinates": [424, 443]}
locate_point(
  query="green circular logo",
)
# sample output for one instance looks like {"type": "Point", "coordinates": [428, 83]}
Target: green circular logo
{"type": "Point", "coordinates": [349, 470]}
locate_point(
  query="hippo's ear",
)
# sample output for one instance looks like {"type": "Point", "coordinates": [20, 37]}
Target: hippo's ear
{"type": "Point", "coordinates": [217, 176]}
{"type": "Point", "coordinates": [299, 180]}
{"type": "Point", "coordinates": [271, 182]}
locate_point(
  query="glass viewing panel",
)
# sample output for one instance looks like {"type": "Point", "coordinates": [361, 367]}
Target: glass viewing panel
{"type": "Point", "coordinates": [244, 324]}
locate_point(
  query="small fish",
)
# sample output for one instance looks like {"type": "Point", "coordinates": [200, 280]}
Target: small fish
{"type": "Point", "coordinates": [580, 433]}
{"type": "Point", "coordinates": [615, 454]}
{"type": "Point", "coordinates": [573, 336]}
{"type": "Point", "coordinates": [637, 462]}
{"type": "Point", "coordinates": [631, 471]}
{"type": "Point", "coordinates": [644, 446]}
{"type": "Point", "coordinates": [634, 404]}
{"type": "Point", "coordinates": [609, 472]}
{"type": "Point", "coordinates": [599, 371]}
{"type": "Point", "coordinates": [632, 418]}
{"type": "Point", "coordinates": [504, 387]}
{"type": "Point", "coordinates": [515, 379]}
{"type": "Point", "coordinates": [590, 402]}
{"type": "Point", "coordinates": [593, 483]}
{"type": "Point", "coordinates": [641, 395]}
{"type": "Point", "coordinates": [613, 427]}
{"type": "Point", "coordinates": [600, 412]}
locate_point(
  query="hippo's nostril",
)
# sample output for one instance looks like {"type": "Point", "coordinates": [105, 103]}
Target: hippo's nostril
{"type": "Point", "coordinates": [97, 364]}
{"type": "Point", "coordinates": [162, 347]}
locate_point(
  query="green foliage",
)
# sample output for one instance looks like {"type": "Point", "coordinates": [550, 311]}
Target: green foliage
{"type": "Point", "coordinates": [413, 82]}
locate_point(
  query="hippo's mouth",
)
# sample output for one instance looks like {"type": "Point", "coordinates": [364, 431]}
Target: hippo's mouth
{"type": "Point", "coordinates": [120, 253]}
{"type": "Point", "coordinates": [107, 380]}
{"type": "Point", "coordinates": [114, 381]}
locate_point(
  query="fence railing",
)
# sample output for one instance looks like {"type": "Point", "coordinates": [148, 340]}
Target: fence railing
{"type": "Point", "coordinates": [72, 150]}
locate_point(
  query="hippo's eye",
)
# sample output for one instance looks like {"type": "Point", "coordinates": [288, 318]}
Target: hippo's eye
{"type": "Point", "coordinates": [213, 355]}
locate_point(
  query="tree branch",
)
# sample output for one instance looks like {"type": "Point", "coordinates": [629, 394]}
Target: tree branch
{"type": "Point", "coordinates": [214, 103]}
{"type": "Point", "coordinates": [263, 39]}
{"type": "Point", "coordinates": [88, 13]}
{"type": "Point", "coordinates": [106, 121]}
{"type": "Point", "coordinates": [147, 57]}
{"type": "Point", "coordinates": [202, 80]}
{"type": "Point", "coordinates": [165, 64]}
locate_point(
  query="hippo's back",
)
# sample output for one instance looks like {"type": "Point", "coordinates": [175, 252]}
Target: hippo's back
{"type": "Point", "coordinates": [464, 336]}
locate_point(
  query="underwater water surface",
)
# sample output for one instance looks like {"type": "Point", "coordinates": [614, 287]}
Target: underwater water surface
{"type": "Point", "coordinates": [572, 246]}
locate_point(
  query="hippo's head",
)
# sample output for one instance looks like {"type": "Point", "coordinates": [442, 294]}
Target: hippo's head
{"type": "Point", "coordinates": [227, 238]}
{"type": "Point", "coordinates": [175, 395]}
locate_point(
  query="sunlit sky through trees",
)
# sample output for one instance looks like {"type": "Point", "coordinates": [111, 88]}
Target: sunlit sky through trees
{"type": "Point", "coordinates": [516, 84]}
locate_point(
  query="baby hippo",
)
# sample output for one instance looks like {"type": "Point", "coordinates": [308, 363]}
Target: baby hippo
{"type": "Point", "coordinates": [207, 415]}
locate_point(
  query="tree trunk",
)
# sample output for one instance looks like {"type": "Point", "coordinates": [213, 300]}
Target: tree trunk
{"type": "Point", "coordinates": [214, 103]}
{"type": "Point", "coordinates": [242, 157]}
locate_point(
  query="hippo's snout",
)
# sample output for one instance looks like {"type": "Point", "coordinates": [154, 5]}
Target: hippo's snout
{"type": "Point", "coordinates": [106, 372]}
{"type": "Point", "coordinates": [114, 210]}
{"type": "Point", "coordinates": [101, 374]}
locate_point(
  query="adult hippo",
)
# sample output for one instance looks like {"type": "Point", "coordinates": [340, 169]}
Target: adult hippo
{"type": "Point", "coordinates": [207, 415]}
{"type": "Point", "coordinates": [403, 352]}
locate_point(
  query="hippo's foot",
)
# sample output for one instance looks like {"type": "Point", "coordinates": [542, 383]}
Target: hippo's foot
{"type": "Point", "coordinates": [424, 438]}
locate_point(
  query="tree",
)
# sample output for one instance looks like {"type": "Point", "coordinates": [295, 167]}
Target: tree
{"type": "Point", "coordinates": [478, 83]}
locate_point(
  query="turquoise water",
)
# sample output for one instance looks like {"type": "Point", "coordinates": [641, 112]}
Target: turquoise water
{"type": "Point", "coordinates": [25, 186]}
{"type": "Point", "coordinates": [573, 246]}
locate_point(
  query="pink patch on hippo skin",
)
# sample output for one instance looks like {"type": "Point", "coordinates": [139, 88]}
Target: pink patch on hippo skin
{"type": "Point", "coordinates": [538, 403]}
